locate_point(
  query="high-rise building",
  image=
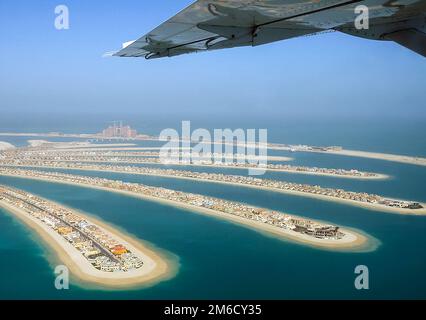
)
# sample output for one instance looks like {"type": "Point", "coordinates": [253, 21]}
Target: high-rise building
{"type": "Point", "coordinates": [117, 130]}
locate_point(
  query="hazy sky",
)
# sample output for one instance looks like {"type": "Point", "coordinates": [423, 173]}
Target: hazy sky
{"type": "Point", "coordinates": [44, 69]}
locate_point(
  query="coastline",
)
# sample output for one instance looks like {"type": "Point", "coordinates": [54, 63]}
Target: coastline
{"type": "Point", "coordinates": [6, 146]}
{"type": "Point", "coordinates": [74, 144]}
{"type": "Point", "coordinates": [365, 205]}
{"type": "Point", "coordinates": [379, 176]}
{"type": "Point", "coordinates": [354, 242]}
{"type": "Point", "coordinates": [156, 267]}
{"type": "Point", "coordinates": [421, 161]}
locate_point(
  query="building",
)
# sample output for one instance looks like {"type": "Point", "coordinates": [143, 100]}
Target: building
{"type": "Point", "coordinates": [64, 230]}
{"type": "Point", "coordinates": [119, 250]}
{"type": "Point", "coordinates": [117, 130]}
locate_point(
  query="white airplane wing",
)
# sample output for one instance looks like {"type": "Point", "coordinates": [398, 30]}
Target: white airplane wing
{"type": "Point", "coordinates": [217, 24]}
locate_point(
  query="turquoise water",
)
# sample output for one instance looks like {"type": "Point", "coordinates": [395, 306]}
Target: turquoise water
{"type": "Point", "coordinates": [221, 260]}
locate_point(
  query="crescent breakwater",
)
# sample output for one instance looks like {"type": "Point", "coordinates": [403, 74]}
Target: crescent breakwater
{"type": "Point", "coordinates": [361, 199]}
{"type": "Point", "coordinates": [335, 150]}
{"type": "Point", "coordinates": [290, 227]}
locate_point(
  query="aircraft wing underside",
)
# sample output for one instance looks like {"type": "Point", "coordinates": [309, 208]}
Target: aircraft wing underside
{"type": "Point", "coordinates": [218, 24]}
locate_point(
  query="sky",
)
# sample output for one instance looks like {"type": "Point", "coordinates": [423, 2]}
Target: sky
{"type": "Point", "coordinates": [46, 70]}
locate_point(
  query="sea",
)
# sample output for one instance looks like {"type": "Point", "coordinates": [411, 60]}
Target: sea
{"type": "Point", "coordinates": [216, 259]}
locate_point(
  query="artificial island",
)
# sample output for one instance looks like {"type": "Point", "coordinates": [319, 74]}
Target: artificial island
{"type": "Point", "coordinates": [290, 227]}
{"type": "Point", "coordinates": [95, 252]}
{"type": "Point", "coordinates": [360, 199]}
{"type": "Point", "coordinates": [44, 153]}
{"type": "Point", "coordinates": [118, 132]}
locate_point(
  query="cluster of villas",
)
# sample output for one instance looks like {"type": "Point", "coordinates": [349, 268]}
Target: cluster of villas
{"type": "Point", "coordinates": [101, 249]}
{"type": "Point", "coordinates": [328, 171]}
{"type": "Point", "coordinates": [401, 204]}
{"type": "Point", "coordinates": [235, 160]}
{"type": "Point", "coordinates": [234, 179]}
{"type": "Point", "coordinates": [304, 147]}
{"type": "Point", "coordinates": [273, 218]}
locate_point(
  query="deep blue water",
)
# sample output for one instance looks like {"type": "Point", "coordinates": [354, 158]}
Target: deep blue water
{"type": "Point", "coordinates": [221, 260]}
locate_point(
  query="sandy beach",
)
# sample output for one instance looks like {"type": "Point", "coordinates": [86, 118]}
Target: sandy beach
{"type": "Point", "coordinates": [156, 267]}
{"type": "Point", "coordinates": [366, 205]}
{"type": "Point", "coordinates": [6, 146]}
{"type": "Point", "coordinates": [74, 145]}
{"type": "Point", "coordinates": [381, 156]}
{"type": "Point", "coordinates": [136, 155]}
{"type": "Point", "coordinates": [420, 161]}
{"type": "Point", "coordinates": [350, 153]}
{"type": "Point", "coordinates": [353, 241]}
{"type": "Point", "coordinates": [377, 176]}
{"type": "Point", "coordinates": [103, 148]}
{"type": "Point", "coordinates": [344, 152]}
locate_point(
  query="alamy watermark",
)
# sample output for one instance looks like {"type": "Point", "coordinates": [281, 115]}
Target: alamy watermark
{"type": "Point", "coordinates": [200, 146]}
{"type": "Point", "coordinates": [62, 18]}
{"type": "Point", "coordinates": [362, 281]}
{"type": "Point", "coordinates": [362, 20]}
{"type": "Point", "coordinates": [62, 278]}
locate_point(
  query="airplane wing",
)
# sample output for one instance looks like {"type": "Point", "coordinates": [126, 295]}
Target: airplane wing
{"type": "Point", "coordinates": [218, 24]}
